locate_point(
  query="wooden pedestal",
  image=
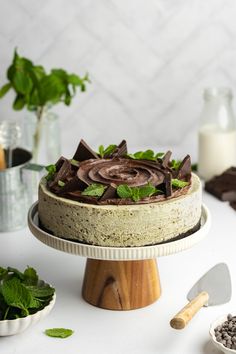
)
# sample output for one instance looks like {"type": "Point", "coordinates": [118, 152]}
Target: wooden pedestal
{"type": "Point", "coordinates": [121, 285]}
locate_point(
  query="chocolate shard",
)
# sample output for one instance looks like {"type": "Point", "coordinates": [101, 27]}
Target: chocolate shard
{"type": "Point", "coordinates": [121, 150]}
{"type": "Point", "coordinates": [84, 152]}
{"type": "Point", "coordinates": [74, 184]}
{"type": "Point", "coordinates": [184, 170]}
{"type": "Point", "coordinates": [168, 185]}
{"type": "Point", "coordinates": [166, 159]}
{"type": "Point", "coordinates": [59, 163]}
{"type": "Point", "coordinates": [109, 193]}
{"type": "Point", "coordinates": [63, 172]}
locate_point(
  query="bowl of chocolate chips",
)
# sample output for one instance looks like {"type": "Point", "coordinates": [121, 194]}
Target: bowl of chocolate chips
{"type": "Point", "coordinates": [223, 333]}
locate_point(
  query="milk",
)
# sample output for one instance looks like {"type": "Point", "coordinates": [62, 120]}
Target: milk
{"type": "Point", "coordinates": [217, 151]}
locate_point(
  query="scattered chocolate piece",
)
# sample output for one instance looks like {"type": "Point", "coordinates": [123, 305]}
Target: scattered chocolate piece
{"type": "Point", "coordinates": [109, 193]}
{"type": "Point", "coordinates": [223, 186]}
{"type": "Point", "coordinates": [84, 152]}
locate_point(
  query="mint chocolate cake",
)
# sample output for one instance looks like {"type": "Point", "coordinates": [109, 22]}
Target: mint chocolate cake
{"type": "Point", "coordinates": [113, 198]}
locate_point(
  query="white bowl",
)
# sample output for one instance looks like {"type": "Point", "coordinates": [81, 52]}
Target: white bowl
{"type": "Point", "coordinates": [220, 346]}
{"type": "Point", "coordinates": [10, 327]}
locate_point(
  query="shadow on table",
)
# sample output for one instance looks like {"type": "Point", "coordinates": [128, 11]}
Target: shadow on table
{"type": "Point", "coordinates": [209, 348]}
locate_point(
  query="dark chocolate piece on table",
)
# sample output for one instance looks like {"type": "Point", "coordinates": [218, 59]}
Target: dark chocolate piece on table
{"type": "Point", "coordinates": [223, 186]}
{"type": "Point", "coordinates": [84, 152]}
{"type": "Point", "coordinates": [233, 205]}
{"type": "Point", "coordinates": [184, 170]}
{"type": "Point", "coordinates": [109, 193]}
{"type": "Point", "coordinates": [74, 184]}
{"type": "Point", "coordinates": [166, 158]}
{"type": "Point", "coordinates": [168, 185]}
{"type": "Point", "coordinates": [121, 150]}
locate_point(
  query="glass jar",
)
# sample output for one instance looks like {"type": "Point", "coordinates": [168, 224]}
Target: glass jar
{"type": "Point", "coordinates": [217, 133]}
{"type": "Point", "coordinates": [42, 136]}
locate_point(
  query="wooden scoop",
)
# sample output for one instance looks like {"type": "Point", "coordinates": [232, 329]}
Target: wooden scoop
{"type": "Point", "coordinates": [2, 159]}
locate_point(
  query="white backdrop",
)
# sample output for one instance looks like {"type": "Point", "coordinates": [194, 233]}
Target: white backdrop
{"type": "Point", "coordinates": [148, 61]}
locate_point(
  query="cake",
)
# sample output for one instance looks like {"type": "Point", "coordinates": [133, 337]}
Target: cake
{"type": "Point", "coordinates": [112, 198]}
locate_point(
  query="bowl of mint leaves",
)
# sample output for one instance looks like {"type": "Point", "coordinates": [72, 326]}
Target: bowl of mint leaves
{"type": "Point", "coordinates": [24, 299]}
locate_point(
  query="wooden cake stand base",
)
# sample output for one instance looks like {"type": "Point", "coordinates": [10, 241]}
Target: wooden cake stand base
{"type": "Point", "coordinates": [119, 278]}
{"type": "Point", "coordinates": [121, 285]}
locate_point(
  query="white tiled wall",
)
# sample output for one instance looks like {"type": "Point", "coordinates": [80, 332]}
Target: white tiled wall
{"type": "Point", "coordinates": [148, 60]}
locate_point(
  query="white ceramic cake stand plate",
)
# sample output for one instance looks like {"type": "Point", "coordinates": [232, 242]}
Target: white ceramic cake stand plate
{"type": "Point", "coordinates": [119, 278]}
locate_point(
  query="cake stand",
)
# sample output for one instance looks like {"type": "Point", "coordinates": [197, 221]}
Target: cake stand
{"type": "Point", "coordinates": [119, 278]}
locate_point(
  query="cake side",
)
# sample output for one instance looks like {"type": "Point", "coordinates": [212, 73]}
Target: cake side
{"type": "Point", "coordinates": [121, 225]}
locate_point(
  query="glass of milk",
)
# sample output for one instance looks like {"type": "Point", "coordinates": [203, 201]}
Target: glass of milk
{"type": "Point", "coordinates": [217, 133]}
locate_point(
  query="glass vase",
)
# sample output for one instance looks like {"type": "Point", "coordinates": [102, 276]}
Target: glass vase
{"type": "Point", "coordinates": [41, 136]}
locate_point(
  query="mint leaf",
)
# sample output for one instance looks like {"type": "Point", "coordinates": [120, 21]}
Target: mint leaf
{"type": "Point", "coordinates": [74, 162]}
{"type": "Point", "coordinates": [135, 193]}
{"type": "Point", "coordinates": [59, 332]}
{"type": "Point", "coordinates": [94, 190]}
{"type": "Point", "coordinates": [146, 155]}
{"type": "Point", "coordinates": [175, 164]}
{"type": "Point", "coordinates": [159, 155]}
{"type": "Point", "coordinates": [61, 183]}
{"type": "Point", "coordinates": [19, 274]}
{"type": "Point", "coordinates": [101, 150]}
{"type": "Point", "coordinates": [146, 191]}
{"type": "Point", "coordinates": [106, 152]}
{"type": "Point", "coordinates": [3, 273]}
{"type": "Point", "coordinates": [4, 89]}
{"type": "Point", "coordinates": [51, 171]}
{"type": "Point", "coordinates": [110, 149]}
{"type": "Point", "coordinates": [124, 191]}
{"type": "Point", "coordinates": [178, 183]}
{"type": "Point", "coordinates": [16, 295]}
{"type": "Point", "coordinates": [40, 291]}
{"type": "Point", "coordinates": [30, 276]}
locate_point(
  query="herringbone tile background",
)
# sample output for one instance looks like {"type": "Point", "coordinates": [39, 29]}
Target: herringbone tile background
{"type": "Point", "coordinates": [148, 61]}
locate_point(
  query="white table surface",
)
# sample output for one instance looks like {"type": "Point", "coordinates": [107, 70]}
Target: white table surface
{"type": "Point", "coordinates": [142, 331]}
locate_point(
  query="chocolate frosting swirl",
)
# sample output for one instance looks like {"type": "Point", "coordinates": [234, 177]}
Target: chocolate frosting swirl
{"type": "Point", "coordinates": [120, 171]}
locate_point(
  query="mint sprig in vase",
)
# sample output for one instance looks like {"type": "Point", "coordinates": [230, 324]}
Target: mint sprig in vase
{"type": "Point", "coordinates": [38, 92]}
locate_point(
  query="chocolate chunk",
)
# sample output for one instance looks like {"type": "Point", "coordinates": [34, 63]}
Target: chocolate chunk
{"type": "Point", "coordinates": [166, 159]}
{"type": "Point", "coordinates": [63, 172]}
{"type": "Point", "coordinates": [184, 170]}
{"type": "Point", "coordinates": [168, 185]}
{"type": "Point", "coordinates": [72, 185]}
{"type": "Point", "coordinates": [84, 152]}
{"type": "Point", "coordinates": [223, 186]}
{"type": "Point", "coordinates": [121, 150]}
{"type": "Point", "coordinates": [109, 193]}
